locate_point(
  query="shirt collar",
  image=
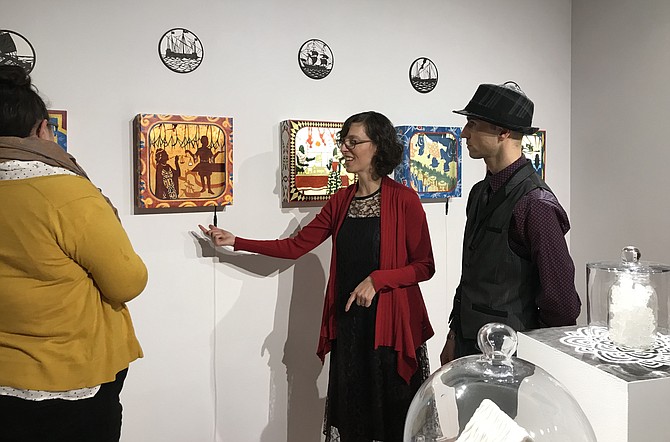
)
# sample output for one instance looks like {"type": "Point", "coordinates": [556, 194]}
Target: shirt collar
{"type": "Point", "coordinates": [497, 180]}
{"type": "Point", "coordinates": [16, 170]}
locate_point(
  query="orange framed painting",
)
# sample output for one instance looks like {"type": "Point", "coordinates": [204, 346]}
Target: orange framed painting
{"type": "Point", "coordinates": [182, 163]}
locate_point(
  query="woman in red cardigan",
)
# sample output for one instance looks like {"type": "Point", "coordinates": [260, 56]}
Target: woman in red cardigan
{"type": "Point", "coordinates": [374, 319]}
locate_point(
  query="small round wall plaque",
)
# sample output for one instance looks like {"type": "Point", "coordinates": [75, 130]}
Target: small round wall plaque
{"type": "Point", "coordinates": [423, 75]}
{"type": "Point", "coordinates": [180, 50]}
{"type": "Point", "coordinates": [16, 50]}
{"type": "Point", "coordinates": [315, 59]}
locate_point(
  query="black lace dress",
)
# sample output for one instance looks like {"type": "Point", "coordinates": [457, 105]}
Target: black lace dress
{"type": "Point", "coordinates": [367, 398]}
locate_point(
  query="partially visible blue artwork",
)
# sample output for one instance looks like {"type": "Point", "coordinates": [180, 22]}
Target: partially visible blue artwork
{"type": "Point", "coordinates": [58, 118]}
{"type": "Point", "coordinates": [431, 162]}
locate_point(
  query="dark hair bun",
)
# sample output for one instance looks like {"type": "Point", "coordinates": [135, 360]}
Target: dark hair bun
{"type": "Point", "coordinates": [21, 109]}
{"type": "Point", "coordinates": [14, 76]}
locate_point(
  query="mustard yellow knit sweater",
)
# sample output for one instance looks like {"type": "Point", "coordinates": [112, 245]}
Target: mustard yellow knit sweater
{"type": "Point", "coordinates": [66, 270]}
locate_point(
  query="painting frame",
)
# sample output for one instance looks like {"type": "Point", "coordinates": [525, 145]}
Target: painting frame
{"type": "Point", "coordinates": [534, 147]}
{"type": "Point", "coordinates": [59, 119]}
{"type": "Point", "coordinates": [173, 156]}
{"type": "Point", "coordinates": [310, 175]}
{"type": "Point", "coordinates": [426, 149]}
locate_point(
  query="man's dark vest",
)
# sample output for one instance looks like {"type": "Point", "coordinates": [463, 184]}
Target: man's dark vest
{"type": "Point", "coordinates": [496, 284]}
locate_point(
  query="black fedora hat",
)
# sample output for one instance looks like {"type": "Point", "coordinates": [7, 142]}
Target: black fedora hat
{"type": "Point", "coordinates": [504, 105]}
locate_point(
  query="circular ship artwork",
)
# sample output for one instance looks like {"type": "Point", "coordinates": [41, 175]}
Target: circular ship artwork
{"type": "Point", "coordinates": [180, 50]}
{"type": "Point", "coordinates": [315, 59]}
{"type": "Point", "coordinates": [16, 50]}
{"type": "Point", "coordinates": [423, 75]}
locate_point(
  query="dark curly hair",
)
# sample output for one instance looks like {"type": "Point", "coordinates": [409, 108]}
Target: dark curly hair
{"type": "Point", "coordinates": [383, 134]}
{"type": "Point", "coordinates": [21, 109]}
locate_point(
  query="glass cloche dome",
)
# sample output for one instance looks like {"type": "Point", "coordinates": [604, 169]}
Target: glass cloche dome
{"type": "Point", "coordinates": [629, 298]}
{"type": "Point", "coordinates": [495, 397]}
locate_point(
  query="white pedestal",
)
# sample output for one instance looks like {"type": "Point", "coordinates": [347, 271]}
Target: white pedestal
{"type": "Point", "coordinates": [624, 401]}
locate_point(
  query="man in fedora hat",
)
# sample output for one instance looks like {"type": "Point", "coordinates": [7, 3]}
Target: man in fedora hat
{"type": "Point", "coordinates": [516, 266]}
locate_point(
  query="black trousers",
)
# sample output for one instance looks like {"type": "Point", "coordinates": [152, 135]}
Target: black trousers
{"type": "Point", "coordinates": [465, 347]}
{"type": "Point", "coordinates": [96, 419]}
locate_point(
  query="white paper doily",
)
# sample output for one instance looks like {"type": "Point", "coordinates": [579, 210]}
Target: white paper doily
{"type": "Point", "coordinates": [594, 340]}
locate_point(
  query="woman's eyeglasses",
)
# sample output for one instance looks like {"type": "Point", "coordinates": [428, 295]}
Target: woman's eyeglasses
{"type": "Point", "coordinates": [351, 143]}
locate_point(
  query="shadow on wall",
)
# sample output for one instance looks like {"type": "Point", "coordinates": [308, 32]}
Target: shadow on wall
{"type": "Point", "coordinates": [292, 343]}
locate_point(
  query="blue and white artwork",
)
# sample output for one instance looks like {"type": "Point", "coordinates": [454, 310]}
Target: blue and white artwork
{"type": "Point", "coordinates": [431, 162]}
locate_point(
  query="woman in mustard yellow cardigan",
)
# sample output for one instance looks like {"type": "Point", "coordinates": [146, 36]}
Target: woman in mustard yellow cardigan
{"type": "Point", "coordinates": [67, 269]}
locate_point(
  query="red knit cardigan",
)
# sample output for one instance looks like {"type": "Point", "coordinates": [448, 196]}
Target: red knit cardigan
{"type": "Point", "coordinates": [406, 258]}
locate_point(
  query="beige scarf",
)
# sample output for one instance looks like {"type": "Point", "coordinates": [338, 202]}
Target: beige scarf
{"type": "Point", "coordinates": [48, 152]}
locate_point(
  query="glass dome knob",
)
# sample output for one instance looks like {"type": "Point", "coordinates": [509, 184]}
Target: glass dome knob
{"type": "Point", "coordinates": [630, 255]}
{"type": "Point", "coordinates": [497, 342]}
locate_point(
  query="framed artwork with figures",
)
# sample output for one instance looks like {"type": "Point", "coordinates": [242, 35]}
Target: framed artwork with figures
{"type": "Point", "coordinates": [182, 163]}
{"type": "Point", "coordinates": [431, 162]}
{"type": "Point", "coordinates": [311, 162]}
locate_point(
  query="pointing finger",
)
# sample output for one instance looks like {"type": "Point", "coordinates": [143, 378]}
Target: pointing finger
{"type": "Point", "coordinates": [352, 297]}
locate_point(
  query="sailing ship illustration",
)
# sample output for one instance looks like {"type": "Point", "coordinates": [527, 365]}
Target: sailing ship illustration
{"type": "Point", "coordinates": [316, 59]}
{"type": "Point", "coordinates": [180, 50]}
{"type": "Point", "coordinates": [9, 54]}
{"type": "Point", "coordinates": [423, 75]}
{"type": "Point", "coordinates": [181, 46]}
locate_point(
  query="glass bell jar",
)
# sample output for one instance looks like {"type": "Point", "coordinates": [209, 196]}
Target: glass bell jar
{"type": "Point", "coordinates": [495, 397]}
{"type": "Point", "coordinates": [629, 298]}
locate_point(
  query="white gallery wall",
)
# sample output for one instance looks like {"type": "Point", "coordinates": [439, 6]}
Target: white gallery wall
{"type": "Point", "coordinates": [620, 111]}
{"type": "Point", "coordinates": [230, 340]}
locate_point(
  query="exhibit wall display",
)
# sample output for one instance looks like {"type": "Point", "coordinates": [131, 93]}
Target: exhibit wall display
{"type": "Point", "coordinates": [312, 164]}
{"type": "Point", "coordinates": [182, 162]}
{"type": "Point", "coordinates": [229, 340]}
{"type": "Point", "coordinates": [431, 162]}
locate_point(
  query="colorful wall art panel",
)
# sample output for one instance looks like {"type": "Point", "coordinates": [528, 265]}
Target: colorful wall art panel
{"type": "Point", "coordinates": [431, 162]}
{"type": "Point", "coordinates": [182, 163]}
{"type": "Point", "coordinates": [534, 148]}
{"type": "Point", "coordinates": [58, 120]}
{"type": "Point", "coordinates": [311, 164]}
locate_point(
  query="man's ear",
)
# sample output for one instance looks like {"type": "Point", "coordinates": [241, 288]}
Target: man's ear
{"type": "Point", "coordinates": [503, 133]}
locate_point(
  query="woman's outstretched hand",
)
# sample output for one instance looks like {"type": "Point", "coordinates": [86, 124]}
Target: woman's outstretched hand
{"type": "Point", "coordinates": [219, 237]}
{"type": "Point", "coordinates": [362, 294]}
